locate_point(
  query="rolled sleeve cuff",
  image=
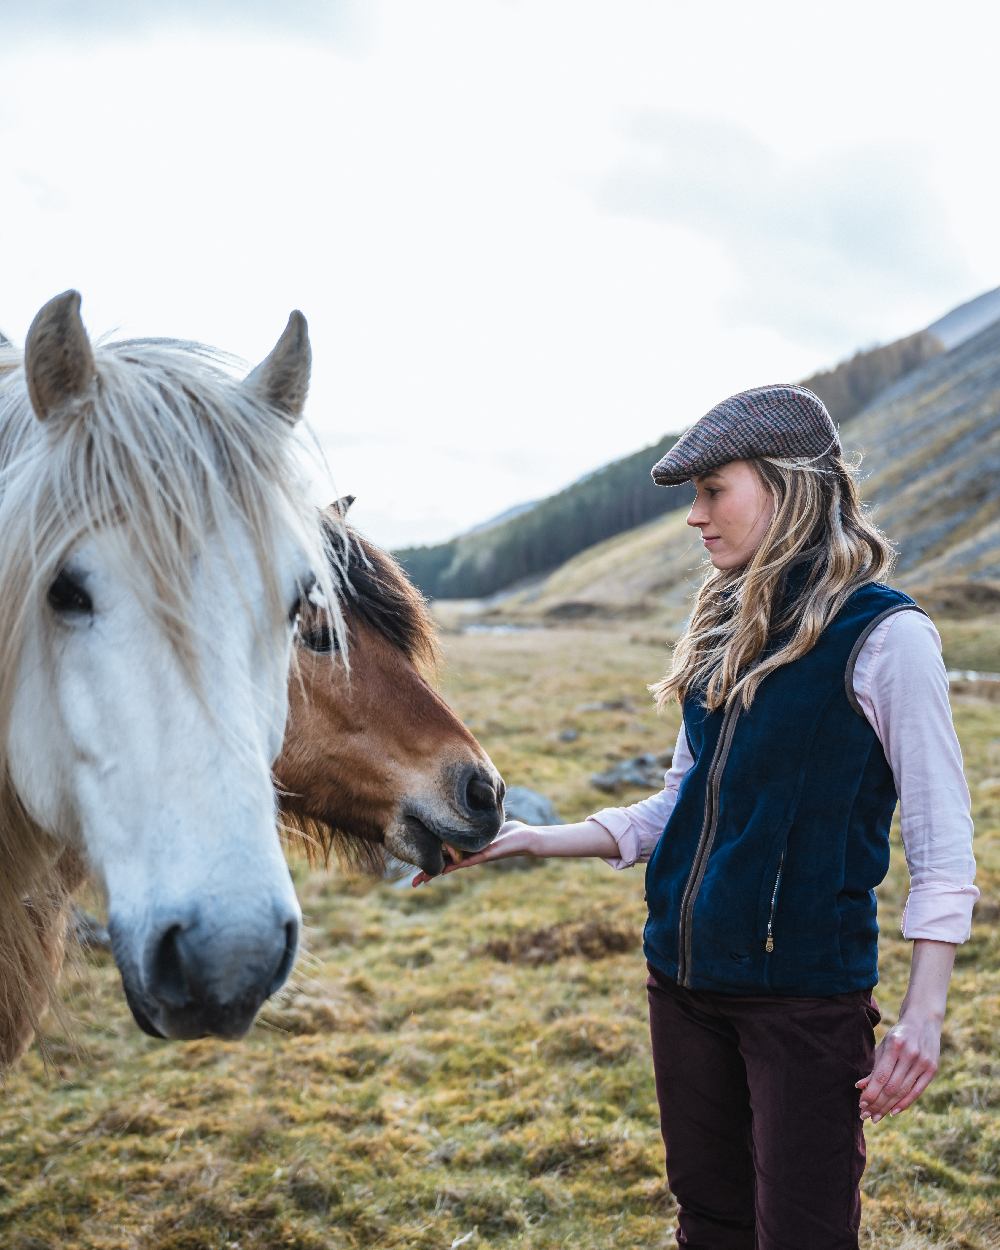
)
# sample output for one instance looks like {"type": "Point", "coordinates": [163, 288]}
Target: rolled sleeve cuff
{"type": "Point", "coordinates": [615, 821]}
{"type": "Point", "coordinates": [940, 912]}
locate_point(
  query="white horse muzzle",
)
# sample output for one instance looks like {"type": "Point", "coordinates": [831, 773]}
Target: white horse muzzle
{"type": "Point", "coordinates": [197, 978]}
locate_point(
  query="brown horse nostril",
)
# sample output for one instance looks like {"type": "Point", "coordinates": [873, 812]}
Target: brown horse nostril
{"type": "Point", "coordinates": [480, 796]}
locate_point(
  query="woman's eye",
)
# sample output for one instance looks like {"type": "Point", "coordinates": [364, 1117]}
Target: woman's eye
{"type": "Point", "coordinates": [67, 596]}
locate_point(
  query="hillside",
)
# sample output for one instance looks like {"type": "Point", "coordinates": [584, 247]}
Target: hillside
{"type": "Point", "coordinates": [620, 496]}
{"type": "Point", "coordinates": [483, 561]}
{"type": "Point", "coordinates": [967, 319]}
{"type": "Point", "coordinates": [931, 448]}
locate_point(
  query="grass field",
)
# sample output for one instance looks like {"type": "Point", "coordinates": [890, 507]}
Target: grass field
{"type": "Point", "coordinates": [467, 1064]}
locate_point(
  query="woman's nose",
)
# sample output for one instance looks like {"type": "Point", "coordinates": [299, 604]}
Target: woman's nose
{"type": "Point", "coordinates": [696, 516]}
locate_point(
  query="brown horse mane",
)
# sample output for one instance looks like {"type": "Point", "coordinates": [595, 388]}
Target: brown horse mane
{"type": "Point", "coordinates": [379, 593]}
{"type": "Point", "coordinates": [319, 841]}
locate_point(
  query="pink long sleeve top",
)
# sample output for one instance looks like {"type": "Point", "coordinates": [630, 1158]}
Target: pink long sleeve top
{"type": "Point", "coordinates": [902, 687]}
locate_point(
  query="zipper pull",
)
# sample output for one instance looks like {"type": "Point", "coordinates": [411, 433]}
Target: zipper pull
{"type": "Point", "coordinates": [769, 944]}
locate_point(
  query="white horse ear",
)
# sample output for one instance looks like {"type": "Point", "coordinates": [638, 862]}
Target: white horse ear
{"type": "Point", "coordinates": [282, 378]}
{"type": "Point", "coordinates": [340, 506]}
{"type": "Point", "coordinates": [58, 359]}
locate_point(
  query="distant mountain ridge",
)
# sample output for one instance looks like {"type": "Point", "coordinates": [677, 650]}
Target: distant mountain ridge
{"type": "Point", "coordinates": [482, 562]}
{"type": "Point", "coordinates": [502, 517]}
{"type": "Point", "coordinates": [932, 446]}
{"type": "Point", "coordinates": [931, 472]}
{"type": "Point", "coordinates": [538, 539]}
{"type": "Point", "coordinates": [967, 319]}
{"type": "Point", "coordinates": [620, 496]}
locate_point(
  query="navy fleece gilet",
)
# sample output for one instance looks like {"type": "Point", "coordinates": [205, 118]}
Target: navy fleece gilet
{"type": "Point", "coordinates": [763, 881]}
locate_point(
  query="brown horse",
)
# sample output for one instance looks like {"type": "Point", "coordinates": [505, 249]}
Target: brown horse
{"type": "Point", "coordinates": [374, 760]}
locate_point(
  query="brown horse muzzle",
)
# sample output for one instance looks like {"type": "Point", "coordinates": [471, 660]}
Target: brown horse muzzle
{"type": "Point", "coordinates": [428, 835]}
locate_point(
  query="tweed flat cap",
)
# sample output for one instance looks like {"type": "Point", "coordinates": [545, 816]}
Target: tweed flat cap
{"type": "Point", "coordinates": [779, 420]}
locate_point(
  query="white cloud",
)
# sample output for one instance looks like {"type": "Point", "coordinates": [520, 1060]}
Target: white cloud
{"type": "Point", "coordinates": [422, 186]}
{"type": "Point", "coordinates": [348, 23]}
{"type": "Point", "coordinates": [818, 242]}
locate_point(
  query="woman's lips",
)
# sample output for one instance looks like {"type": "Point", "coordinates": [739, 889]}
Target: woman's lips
{"type": "Point", "coordinates": [709, 539]}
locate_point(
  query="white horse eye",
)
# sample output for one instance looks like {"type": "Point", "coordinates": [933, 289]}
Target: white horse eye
{"type": "Point", "coordinates": [67, 596]}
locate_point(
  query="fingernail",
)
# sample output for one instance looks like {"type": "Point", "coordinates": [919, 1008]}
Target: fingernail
{"type": "Point", "coordinates": [876, 1118]}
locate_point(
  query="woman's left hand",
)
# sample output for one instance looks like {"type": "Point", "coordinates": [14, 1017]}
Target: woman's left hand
{"type": "Point", "coordinates": [906, 1061]}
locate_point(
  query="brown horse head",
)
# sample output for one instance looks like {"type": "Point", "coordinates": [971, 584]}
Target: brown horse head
{"type": "Point", "coordinates": [374, 760]}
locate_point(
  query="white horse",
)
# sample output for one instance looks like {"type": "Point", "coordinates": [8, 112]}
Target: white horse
{"type": "Point", "coordinates": [155, 547]}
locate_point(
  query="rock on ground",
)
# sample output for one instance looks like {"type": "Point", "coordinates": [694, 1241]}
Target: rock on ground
{"type": "Point", "coordinates": [529, 806]}
{"type": "Point", "coordinates": [642, 770]}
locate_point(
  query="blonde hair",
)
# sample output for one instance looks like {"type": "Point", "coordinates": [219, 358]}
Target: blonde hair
{"type": "Point", "coordinates": [820, 529]}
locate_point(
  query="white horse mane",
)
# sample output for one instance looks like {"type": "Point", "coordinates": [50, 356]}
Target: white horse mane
{"type": "Point", "coordinates": [169, 443]}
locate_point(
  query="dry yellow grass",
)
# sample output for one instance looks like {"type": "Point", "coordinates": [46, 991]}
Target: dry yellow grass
{"type": "Point", "coordinates": [468, 1060]}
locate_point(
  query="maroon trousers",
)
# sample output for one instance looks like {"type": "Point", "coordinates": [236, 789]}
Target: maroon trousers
{"type": "Point", "coordinates": [760, 1116]}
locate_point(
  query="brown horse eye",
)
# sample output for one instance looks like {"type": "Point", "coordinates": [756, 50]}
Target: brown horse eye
{"type": "Point", "coordinates": [318, 637]}
{"type": "Point", "coordinates": [68, 596]}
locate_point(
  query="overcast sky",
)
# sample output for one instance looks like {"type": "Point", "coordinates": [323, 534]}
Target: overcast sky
{"type": "Point", "coordinates": [528, 237]}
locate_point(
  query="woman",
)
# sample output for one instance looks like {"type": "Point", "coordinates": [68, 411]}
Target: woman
{"type": "Point", "coordinates": [812, 696]}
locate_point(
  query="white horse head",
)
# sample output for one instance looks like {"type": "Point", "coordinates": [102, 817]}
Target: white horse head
{"type": "Point", "coordinates": [155, 545]}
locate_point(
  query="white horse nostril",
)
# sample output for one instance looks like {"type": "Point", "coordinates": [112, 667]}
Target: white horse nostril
{"type": "Point", "coordinates": [287, 957]}
{"type": "Point", "coordinates": [168, 982]}
{"type": "Point", "coordinates": [204, 977]}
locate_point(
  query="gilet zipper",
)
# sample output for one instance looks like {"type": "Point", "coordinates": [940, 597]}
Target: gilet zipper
{"type": "Point", "coordinates": [705, 841]}
{"type": "Point", "coordinates": [769, 943]}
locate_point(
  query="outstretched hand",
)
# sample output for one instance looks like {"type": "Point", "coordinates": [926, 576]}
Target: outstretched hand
{"type": "Point", "coordinates": [514, 838]}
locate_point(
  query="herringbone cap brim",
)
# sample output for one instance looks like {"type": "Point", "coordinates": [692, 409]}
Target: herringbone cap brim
{"type": "Point", "coordinates": [779, 420]}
